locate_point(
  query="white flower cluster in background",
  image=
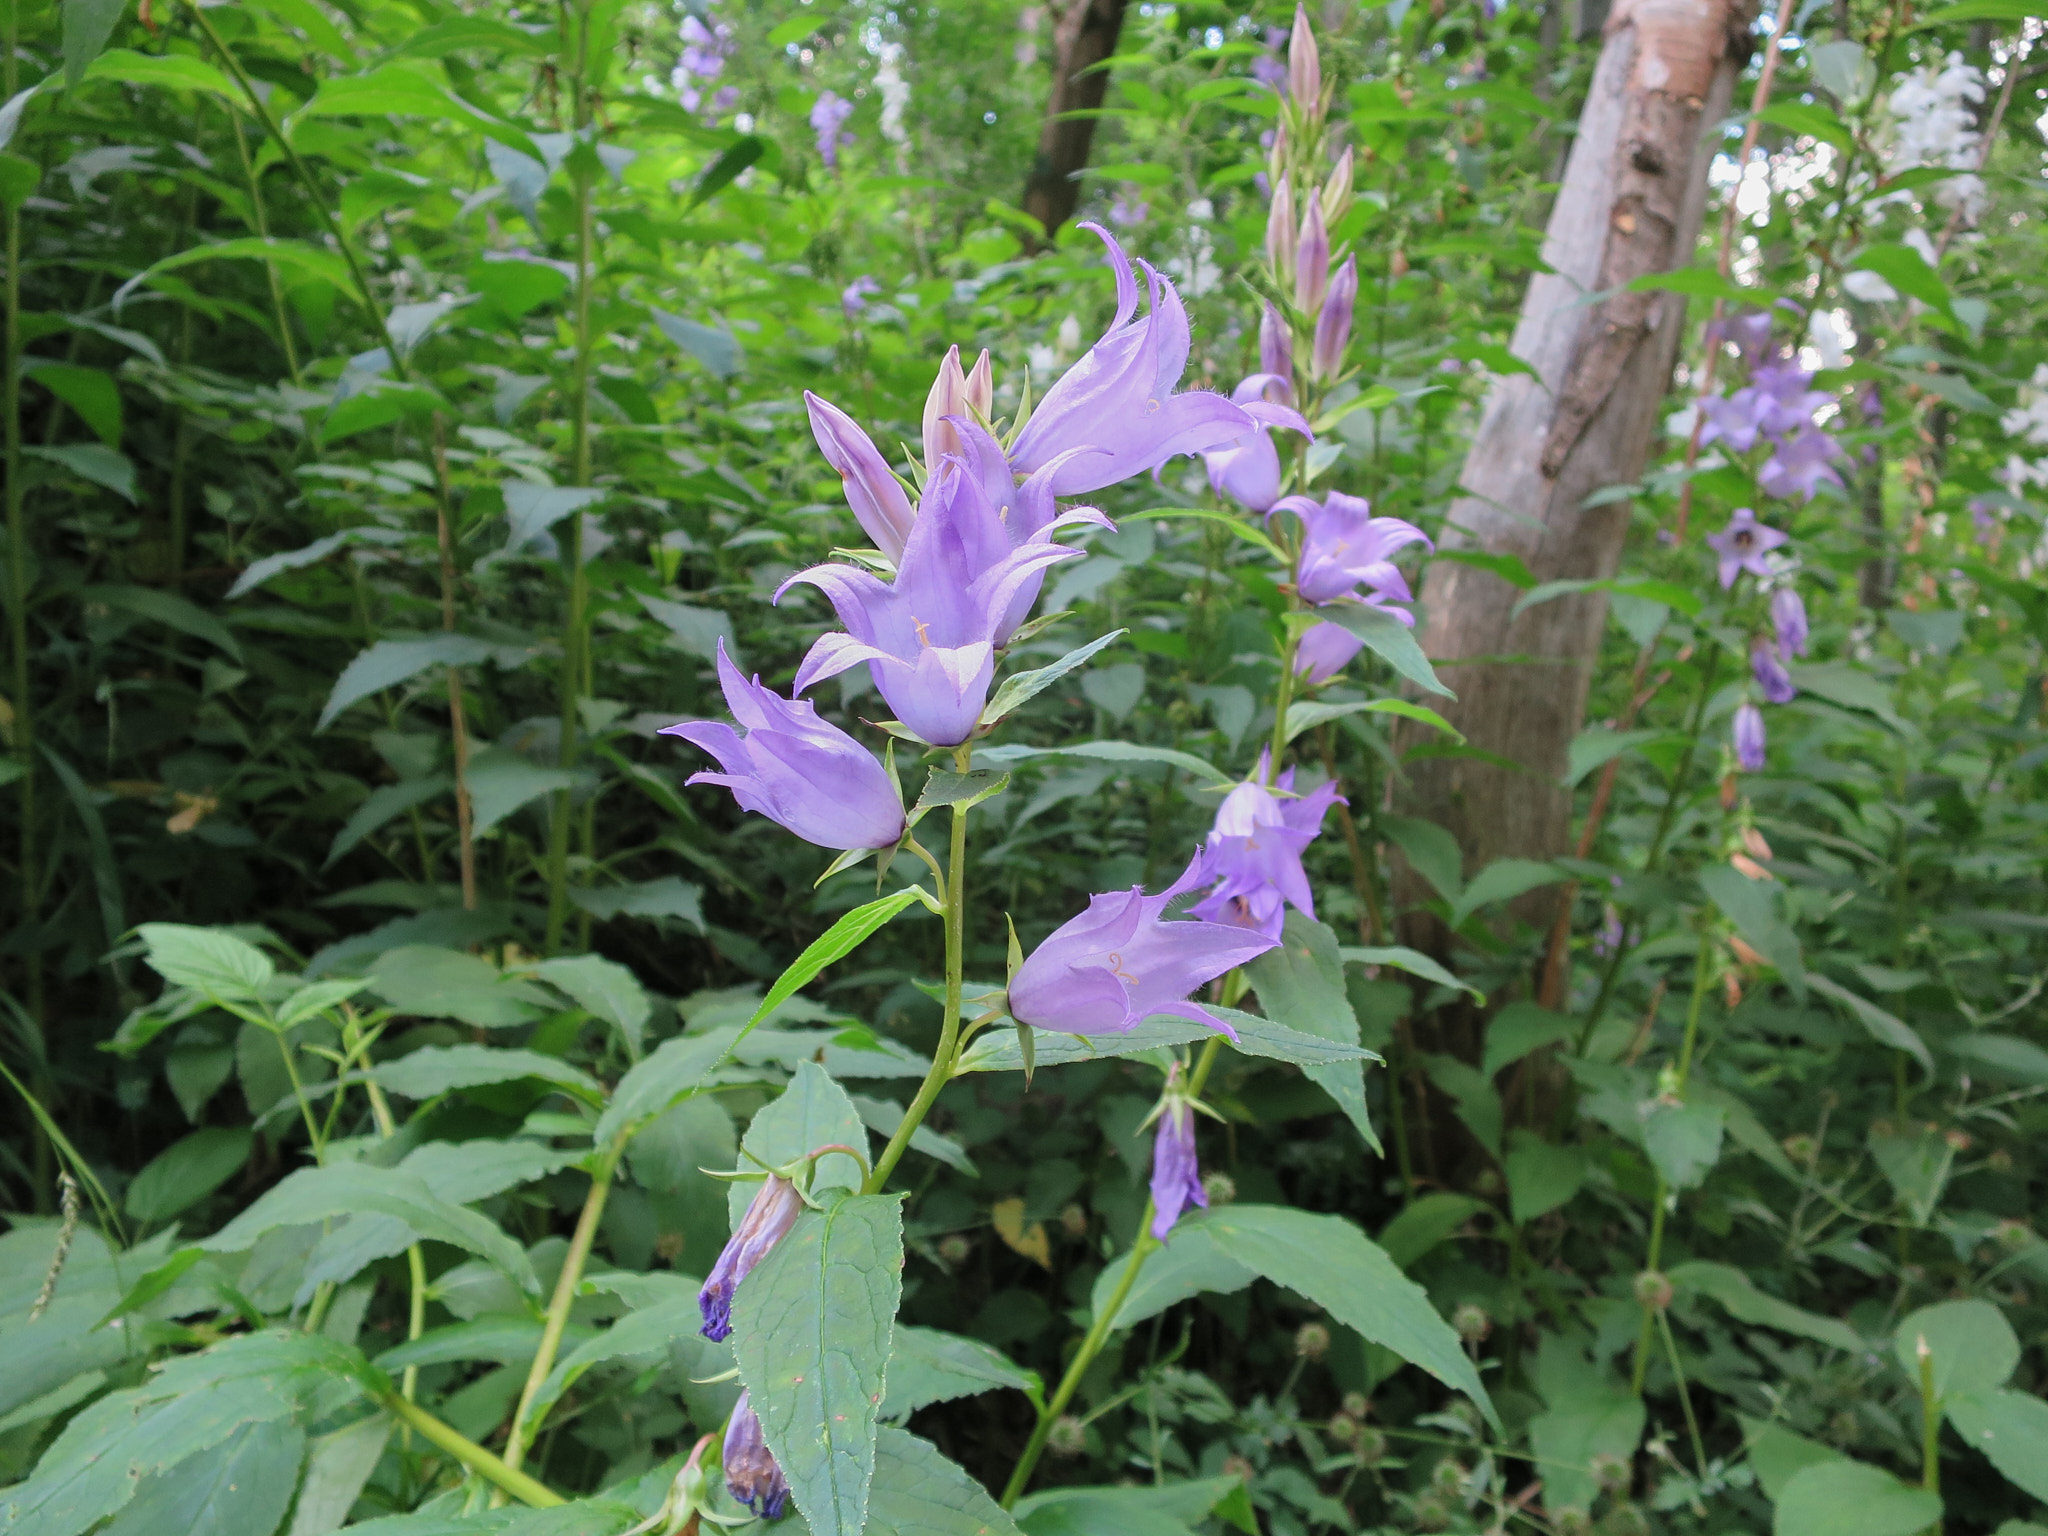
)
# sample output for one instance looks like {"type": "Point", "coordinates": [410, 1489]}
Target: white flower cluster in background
{"type": "Point", "coordinates": [1934, 124]}
{"type": "Point", "coordinates": [895, 92]}
{"type": "Point", "coordinates": [2028, 421]}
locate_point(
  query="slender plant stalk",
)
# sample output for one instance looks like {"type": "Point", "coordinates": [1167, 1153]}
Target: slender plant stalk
{"type": "Point", "coordinates": [566, 1287]}
{"type": "Point", "coordinates": [22, 726]}
{"type": "Point", "coordinates": [445, 1437]}
{"type": "Point", "coordinates": [416, 1263]}
{"type": "Point", "coordinates": [458, 724]}
{"type": "Point", "coordinates": [1930, 1429]}
{"type": "Point", "coordinates": [576, 625]}
{"type": "Point", "coordinates": [949, 1028]}
{"type": "Point", "coordinates": [284, 327]}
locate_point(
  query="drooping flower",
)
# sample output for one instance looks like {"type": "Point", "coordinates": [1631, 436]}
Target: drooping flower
{"type": "Point", "coordinates": [929, 637]}
{"type": "Point", "coordinates": [751, 1474]}
{"type": "Point", "coordinates": [1772, 680]}
{"type": "Point", "coordinates": [769, 1216]}
{"type": "Point", "coordinates": [1747, 732]}
{"type": "Point", "coordinates": [1742, 545]}
{"type": "Point", "coordinates": [797, 770]}
{"type": "Point", "coordinates": [1333, 325]}
{"type": "Point", "coordinates": [1118, 399]}
{"type": "Point", "coordinates": [1800, 465]}
{"type": "Point", "coordinates": [1324, 651]}
{"type": "Point", "coordinates": [1788, 618]}
{"type": "Point", "coordinates": [1176, 1176]}
{"type": "Point", "coordinates": [1344, 547]}
{"type": "Point", "coordinates": [1247, 468]}
{"type": "Point", "coordinates": [828, 122]}
{"type": "Point", "coordinates": [1253, 856]}
{"type": "Point", "coordinates": [1120, 962]}
{"type": "Point", "coordinates": [880, 504]}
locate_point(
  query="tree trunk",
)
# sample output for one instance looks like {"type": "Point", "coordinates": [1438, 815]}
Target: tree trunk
{"type": "Point", "coordinates": [1084, 36]}
{"type": "Point", "coordinates": [1633, 194]}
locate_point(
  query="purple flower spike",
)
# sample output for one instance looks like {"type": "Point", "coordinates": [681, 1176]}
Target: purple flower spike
{"type": "Point", "coordinates": [1119, 398]}
{"type": "Point", "coordinates": [1788, 618]}
{"type": "Point", "coordinates": [1742, 546]}
{"type": "Point", "coordinates": [1304, 64]}
{"type": "Point", "coordinates": [1176, 1176]}
{"type": "Point", "coordinates": [1801, 465]}
{"type": "Point", "coordinates": [1311, 258]}
{"type": "Point", "coordinates": [1748, 734]}
{"type": "Point", "coordinates": [929, 637]}
{"type": "Point", "coordinates": [853, 298]}
{"type": "Point", "coordinates": [772, 1212]}
{"type": "Point", "coordinates": [1276, 347]}
{"type": "Point", "coordinates": [1247, 468]}
{"type": "Point", "coordinates": [1253, 856]}
{"type": "Point", "coordinates": [1118, 964]}
{"type": "Point", "coordinates": [1333, 325]}
{"type": "Point", "coordinates": [879, 502]}
{"type": "Point", "coordinates": [751, 1474]}
{"type": "Point", "coordinates": [797, 770]}
{"type": "Point", "coordinates": [828, 118]}
{"type": "Point", "coordinates": [1344, 546]}
{"type": "Point", "coordinates": [1772, 680]}
{"type": "Point", "coordinates": [1323, 652]}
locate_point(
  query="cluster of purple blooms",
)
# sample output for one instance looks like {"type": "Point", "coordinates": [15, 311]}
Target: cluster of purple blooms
{"type": "Point", "coordinates": [1742, 546]}
{"type": "Point", "coordinates": [828, 122]}
{"type": "Point", "coordinates": [705, 50]}
{"type": "Point", "coordinates": [1777, 406]}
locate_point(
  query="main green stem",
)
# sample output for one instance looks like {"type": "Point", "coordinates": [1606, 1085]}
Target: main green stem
{"type": "Point", "coordinates": [1105, 1320]}
{"type": "Point", "coordinates": [576, 625]}
{"type": "Point", "coordinates": [949, 1027]}
{"type": "Point", "coordinates": [446, 1437]}
{"type": "Point", "coordinates": [23, 725]}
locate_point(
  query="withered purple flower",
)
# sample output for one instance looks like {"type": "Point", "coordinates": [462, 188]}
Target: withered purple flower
{"type": "Point", "coordinates": [769, 1216]}
{"type": "Point", "coordinates": [751, 1474]}
{"type": "Point", "coordinates": [1176, 1175]}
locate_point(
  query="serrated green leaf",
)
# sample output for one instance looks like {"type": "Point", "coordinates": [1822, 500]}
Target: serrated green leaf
{"type": "Point", "coordinates": [918, 1492]}
{"type": "Point", "coordinates": [1735, 1291]}
{"type": "Point", "coordinates": [1301, 985]}
{"type": "Point", "coordinates": [217, 964]}
{"type": "Point", "coordinates": [433, 1070]}
{"type": "Point", "coordinates": [678, 1068]}
{"type": "Point", "coordinates": [1111, 752]}
{"type": "Point", "coordinates": [1850, 1498]}
{"type": "Point", "coordinates": [1021, 687]}
{"type": "Point", "coordinates": [187, 1171]}
{"type": "Point", "coordinates": [1974, 1348]}
{"type": "Point", "coordinates": [241, 1488]}
{"type": "Point", "coordinates": [604, 989]}
{"type": "Point", "coordinates": [927, 1366]}
{"type": "Point", "coordinates": [1306, 717]}
{"type": "Point", "coordinates": [1390, 639]}
{"type": "Point", "coordinates": [846, 935]}
{"type": "Point", "coordinates": [2011, 1428]}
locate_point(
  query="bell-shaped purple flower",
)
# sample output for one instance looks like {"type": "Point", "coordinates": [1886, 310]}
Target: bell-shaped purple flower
{"type": "Point", "coordinates": [769, 1216]}
{"type": "Point", "coordinates": [1747, 731]}
{"type": "Point", "coordinates": [1772, 680]}
{"type": "Point", "coordinates": [1323, 652]}
{"type": "Point", "coordinates": [1253, 856]}
{"type": "Point", "coordinates": [1333, 325]}
{"type": "Point", "coordinates": [1247, 468]}
{"type": "Point", "coordinates": [1311, 259]}
{"type": "Point", "coordinates": [929, 637]}
{"type": "Point", "coordinates": [1784, 403]}
{"type": "Point", "coordinates": [797, 770]}
{"type": "Point", "coordinates": [1742, 545]}
{"type": "Point", "coordinates": [1345, 547]}
{"type": "Point", "coordinates": [1120, 963]}
{"type": "Point", "coordinates": [1801, 465]}
{"type": "Point", "coordinates": [1176, 1176]}
{"type": "Point", "coordinates": [877, 497]}
{"type": "Point", "coordinates": [1788, 618]}
{"type": "Point", "coordinates": [1733, 419]}
{"type": "Point", "coordinates": [751, 1474]}
{"type": "Point", "coordinates": [1119, 398]}
{"type": "Point", "coordinates": [1304, 63]}
{"type": "Point", "coordinates": [1276, 347]}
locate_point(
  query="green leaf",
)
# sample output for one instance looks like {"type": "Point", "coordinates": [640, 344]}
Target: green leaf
{"type": "Point", "coordinates": [1425, 1222]}
{"type": "Point", "coordinates": [187, 1171]}
{"type": "Point", "coordinates": [670, 896]}
{"type": "Point", "coordinates": [433, 1070]}
{"type": "Point", "coordinates": [169, 609]}
{"type": "Point", "coordinates": [1735, 1291]}
{"type": "Point", "coordinates": [87, 26]}
{"type": "Point", "coordinates": [403, 88]}
{"type": "Point", "coordinates": [644, 1336]}
{"type": "Point", "coordinates": [339, 1465]}
{"type": "Point", "coordinates": [1519, 1030]}
{"type": "Point", "coordinates": [296, 256]}
{"type": "Point", "coordinates": [312, 1195]}
{"type": "Point", "coordinates": [678, 1068]}
{"type": "Point", "coordinates": [726, 169]}
{"type": "Point", "coordinates": [1593, 1418]}
{"type": "Point", "coordinates": [316, 998]}
{"type": "Point", "coordinates": [833, 945]}
{"type": "Point", "coordinates": [389, 663]}
{"type": "Point", "coordinates": [918, 1492]}
{"type": "Point", "coordinates": [961, 790]}
{"type": "Point", "coordinates": [1541, 1176]}
{"type": "Point", "coordinates": [94, 462]}
{"type": "Point", "coordinates": [605, 990]}
{"type": "Point", "coordinates": [1159, 1509]}
{"type": "Point", "coordinates": [2011, 1428]}
{"type": "Point", "coordinates": [1301, 985]}
{"type": "Point", "coordinates": [91, 392]}
{"type": "Point", "coordinates": [429, 982]}
{"type": "Point", "coordinates": [1974, 1348]}
{"type": "Point", "coordinates": [1698, 283]}
{"type": "Point", "coordinates": [1109, 752]}
{"type": "Point", "coordinates": [927, 1366]}
{"type": "Point", "coordinates": [1413, 961]}
{"type": "Point", "coordinates": [812, 1112]}
{"type": "Point", "coordinates": [1670, 594]}
{"type": "Point", "coordinates": [531, 510]}
{"type": "Point", "coordinates": [1978, 10]}
{"type": "Point", "coordinates": [1813, 120]}
{"type": "Point", "coordinates": [241, 1488]}
{"type": "Point", "coordinates": [1390, 639]}
{"type": "Point", "coordinates": [716, 349]}
{"type": "Point", "coordinates": [1240, 527]}
{"type": "Point", "coordinates": [1907, 271]}
{"type": "Point", "coordinates": [1777, 1455]}
{"type": "Point", "coordinates": [2003, 1056]}
{"type": "Point", "coordinates": [1020, 688]}
{"type": "Point", "coordinates": [207, 960]}
{"type": "Point", "coordinates": [1684, 1141]}
{"type": "Point", "coordinates": [502, 781]}
{"type": "Point", "coordinates": [998, 1050]}
{"type": "Point", "coordinates": [1752, 906]}
{"type": "Point", "coordinates": [385, 802]}
{"type": "Point", "coordinates": [1502, 880]}
{"type": "Point", "coordinates": [1885, 1028]}
{"type": "Point", "coordinates": [812, 1326]}
{"type": "Point", "coordinates": [1599, 746]}
{"type": "Point", "coordinates": [1850, 1498]}
{"type": "Point", "coordinates": [1335, 1266]}
{"type": "Point", "coordinates": [1304, 717]}
{"type": "Point", "coordinates": [1191, 1263]}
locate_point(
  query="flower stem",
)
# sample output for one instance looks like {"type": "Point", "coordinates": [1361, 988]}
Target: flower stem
{"type": "Point", "coordinates": [447, 1438]}
{"type": "Point", "coordinates": [949, 1028]}
{"type": "Point", "coordinates": [1281, 699]}
{"type": "Point", "coordinates": [566, 1287]}
{"type": "Point", "coordinates": [23, 725]}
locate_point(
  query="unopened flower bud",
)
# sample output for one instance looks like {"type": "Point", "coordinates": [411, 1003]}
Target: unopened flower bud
{"type": "Point", "coordinates": [1570, 1520]}
{"type": "Point", "coordinates": [1753, 841]}
{"type": "Point", "coordinates": [2012, 1235]}
{"type": "Point", "coordinates": [1744, 952]}
{"type": "Point", "coordinates": [1221, 1188]}
{"type": "Point", "coordinates": [1959, 1141]}
{"type": "Point", "coordinates": [1280, 234]}
{"type": "Point", "coordinates": [1337, 190]}
{"type": "Point", "coordinates": [1448, 1475]}
{"type": "Point", "coordinates": [954, 1248]}
{"type": "Point", "coordinates": [1276, 346]}
{"type": "Point", "coordinates": [1371, 1447]}
{"type": "Point", "coordinates": [1074, 1220]}
{"type": "Point", "coordinates": [1312, 1341]}
{"type": "Point", "coordinates": [1472, 1322]}
{"type": "Point", "coordinates": [1653, 1289]}
{"type": "Point", "coordinates": [1342, 1428]}
{"type": "Point", "coordinates": [1239, 1468]}
{"type": "Point", "coordinates": [1748, 866]}
{"type": "Point", "coordinates": [1800, 1147]}
{"type": "Point", "coordinates": [1311, 260]}
{"type": "Point", "coordinates": [954, 393]}
{"type": "Point", "coordinates": [1333, 325]}
{"type": "Point", "coordinates": [1432, 1513]}
{"type": "Point", "coordinates": [1066, 1437]}
{"type": "Point", "coordinates": [1623, 1520]}
{"type": "Point", "coordinates": [1304, 64]}
{"type": "Point", "coordinates": [1357, 1404]}
{"type": "Point", "coordinates": [751, 1474]}
{"type": "Point", "coordinates": [1999, 1160]}
{"type": "Point", "coordinates": [1276, 158]}
{"type": "Point", "coordinates": [1612, 1473]}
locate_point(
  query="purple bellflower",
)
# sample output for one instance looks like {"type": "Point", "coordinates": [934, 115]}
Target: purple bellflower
{"type": "Point", "coordinates": [1749, 330]}
{"type": "Point", "coordinates": [1742, 545]}
{"type": "Point", "coordinates": [1323, 652]}
{"type": "Point", "coordinates": [751, 1474]}
{"type": "Point", "coordinates": [1748, 734]}
{"type": "Point", "coordinates": [1247, 468]}
{"type": "Point", "coordinates": [769, 1216]}
{"type": "Point", "coordinates": [1253, 856]}
{"type": "Point", "coordinates": [797, 770]}
{"type": "Point", "coordinates": [1311, 257]}
{"type": "Point", "coordinates": [853, 298]}
{"type": "Point", "coordinates": [929, 637]}
{"type": "Point", "coordinates": [1732, 419]}
{"type": "Point", "coordinates": [1772, 680]}
{"type": "Point", "coordinates": [1333, 325]}
{"type": "Point", "coordinates": [1270, 68]}
{"type": "Point", "coordinates": [1345, 547]}
{"type": "Point", "coordinates": [1788, 618]}
{"type": "Point", "coordinates": [880, 504]}
{"type": "Point", "coordinates": [828, 121]}
{"type": "Point", "coordinates": [1176, 1176]}
{"type": "Point", "coordinates": [1785, 404]}
{"type": "Point", "coordinates": [1119, 400]}
{"type": "Point", "coordinates": [1119, 963]}
{"type": "Point", "coordinates": [1801, 464]}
